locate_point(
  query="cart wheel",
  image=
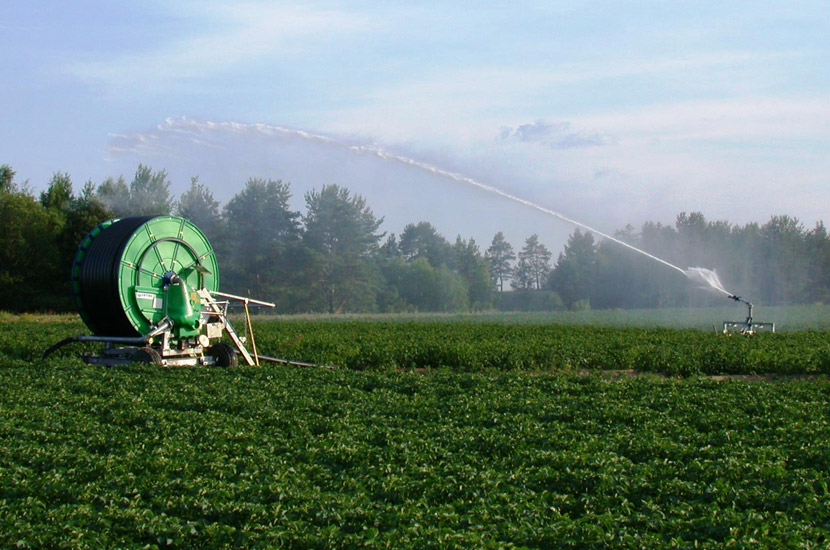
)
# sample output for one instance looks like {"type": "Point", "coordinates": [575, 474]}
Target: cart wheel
{"type": "Point", "coordinates": [224, 354]}
{"type": "Point", "coordinates": [147, 355]}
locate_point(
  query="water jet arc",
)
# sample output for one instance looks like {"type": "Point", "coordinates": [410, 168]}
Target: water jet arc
{"type": "Point", "coordinates": [706, 277]}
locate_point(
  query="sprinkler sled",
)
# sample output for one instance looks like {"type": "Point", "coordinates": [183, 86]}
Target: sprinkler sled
{"type": "Point", "coordinates": [747, 326]}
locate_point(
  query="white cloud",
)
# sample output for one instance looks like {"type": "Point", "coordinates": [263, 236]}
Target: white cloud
{"type": "Point", "coordinates": [448, 103]}
{"type": "Point", "coordinates": [750, 119]}
{"type": "Point", "coordinates": [229, 36]}
{"type": "Point", "coordinates": [555, 135]}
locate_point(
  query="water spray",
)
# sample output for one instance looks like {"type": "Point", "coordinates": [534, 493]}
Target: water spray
{"type": "Point", "coordinates": [268, 130]}
{"type": "Point", "coordinates": [706, 278]}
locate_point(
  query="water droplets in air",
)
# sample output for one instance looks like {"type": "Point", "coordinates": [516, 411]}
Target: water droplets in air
{"type": "Point", "coordinates": [705, 278]}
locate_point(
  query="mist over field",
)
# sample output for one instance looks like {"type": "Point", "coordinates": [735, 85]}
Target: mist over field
{"type": "Point", "coordinates": [610, 114]}
{"type": "Point", "coordinates": [618, 119]}
{"type": "Point", "coordinates": [225, 154]}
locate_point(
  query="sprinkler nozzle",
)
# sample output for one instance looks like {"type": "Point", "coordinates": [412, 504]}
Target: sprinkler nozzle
{"type": "Point", "coordinates": [735, 297]}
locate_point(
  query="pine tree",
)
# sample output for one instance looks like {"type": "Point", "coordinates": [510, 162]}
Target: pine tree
{"type": "Point", "coordinates": [534, 264]}
{"type": "Point", "coordinates": [575, 271]}
{"type": "Point", "coordinates": [341, 233]}
{"type": "Point", "coordinates": [500, 255]}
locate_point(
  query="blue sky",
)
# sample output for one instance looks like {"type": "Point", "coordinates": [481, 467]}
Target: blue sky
{"type": "Point", "coordinates": [609, 112]}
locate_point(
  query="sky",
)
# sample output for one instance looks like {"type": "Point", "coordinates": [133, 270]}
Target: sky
{"type": "Point", "coordinates": [608, 112]}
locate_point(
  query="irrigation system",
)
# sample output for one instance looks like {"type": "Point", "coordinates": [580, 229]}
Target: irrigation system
{"type": "Point", "coordinates": [148, 289]}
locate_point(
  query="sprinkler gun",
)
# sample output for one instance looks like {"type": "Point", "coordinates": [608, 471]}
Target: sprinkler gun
{"type": "Point", "coordinates": [749, 326]}
{"type": "Point", "coordinates": [748, 309]}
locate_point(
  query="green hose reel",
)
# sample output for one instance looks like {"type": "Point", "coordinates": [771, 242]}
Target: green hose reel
{"type": "Point", "coordinates": [130, 274]}
{"type": "Point", "coordinates": [148, 289]}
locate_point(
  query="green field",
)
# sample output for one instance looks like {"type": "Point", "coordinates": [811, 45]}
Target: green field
{"type": "Point", "coordinates": [709, 319]}
{"type": "Point", "coordinates": [515, 343]}
{"type": "Point", "coordinates": [506, 447]}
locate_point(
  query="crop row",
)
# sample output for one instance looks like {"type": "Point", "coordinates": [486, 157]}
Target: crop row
{"type": "Point", "coordinates": [786, 318]}
{"type": "Point", "coordinates": [476, 346]}
{"type": "Point", "coordinates": [137, 456]}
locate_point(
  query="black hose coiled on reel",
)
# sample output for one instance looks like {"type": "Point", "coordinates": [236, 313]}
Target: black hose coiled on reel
{"type": "Point", "coordinates": [96, 274]}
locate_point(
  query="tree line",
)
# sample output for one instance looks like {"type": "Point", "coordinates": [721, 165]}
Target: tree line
{"type": "Point", "coordinates": [333, 258]}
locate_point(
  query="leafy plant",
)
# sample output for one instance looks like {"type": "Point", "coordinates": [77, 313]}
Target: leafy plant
{"type": "Point", "coordinates": [138, 457]}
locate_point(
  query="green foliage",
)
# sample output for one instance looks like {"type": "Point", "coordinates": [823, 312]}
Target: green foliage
{"type": "Point", "coordinates": [477, 346]}
{"type": "Point", "coordinates": [782, 252]}
{"type": "Point", "coordinates": [534, 265]}
{"type": "Point", "coordinates": [150, 193]}
{"type": "Point", "coordinates": [341, 231]}
{"type": "Point", "coordinates": [423, 272]}
{"type": "Point", "coordinates": [7, 184]}
{"type": "Point", "coordinates": [263, 230]}
{"type": "Point", "coordinates": [59, 193]}
{"type": "Point", "coordinates": [500, 257]}
{"type": "Point", "coordinates": [29, 253]}
{"type": "Point", "coordinates": [422, 287]}
{"type": "Point", "coordinates": [197, 205]}
{"type": "Point", "coordinates": [474, 269]}
{"type": "Point", "coordinates": [147, 194]}
{"type": "Point", "coordinates": [137, 456]}
{"type": "Point", "coordinates": [421, 240]}
{"type": "Point", "coordinates": [115, 196]}
{"type": "Point", "coordinates": [329, 260]}
{"type": "Point", "coordinates": [575, 274]}
{"type": "Point", "coordinates": [39, 240]}
{"type": "Point", "coordinates": [778, 262]}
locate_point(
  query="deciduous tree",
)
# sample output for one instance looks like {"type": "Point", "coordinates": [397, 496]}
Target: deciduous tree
{"type": "Point", "coordinates": [150, 193]}
{"type": "Point", "coordinates": [115, 196]}
{"type": "Point", "coordinates": [6, 178]}
{"type": "Point", "coordinates": [475, 270]}
{"type": "Point", "coordinates": [197, 205]}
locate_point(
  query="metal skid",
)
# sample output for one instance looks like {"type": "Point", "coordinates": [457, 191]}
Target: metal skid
{"type": "Point", "coordinates": [748, 326]}
{"type": "Point", "coordinates": [159, 346]}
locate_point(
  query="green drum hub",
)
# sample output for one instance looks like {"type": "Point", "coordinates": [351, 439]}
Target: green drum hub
{"type": "Point", "coordinates": [131, 273]}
